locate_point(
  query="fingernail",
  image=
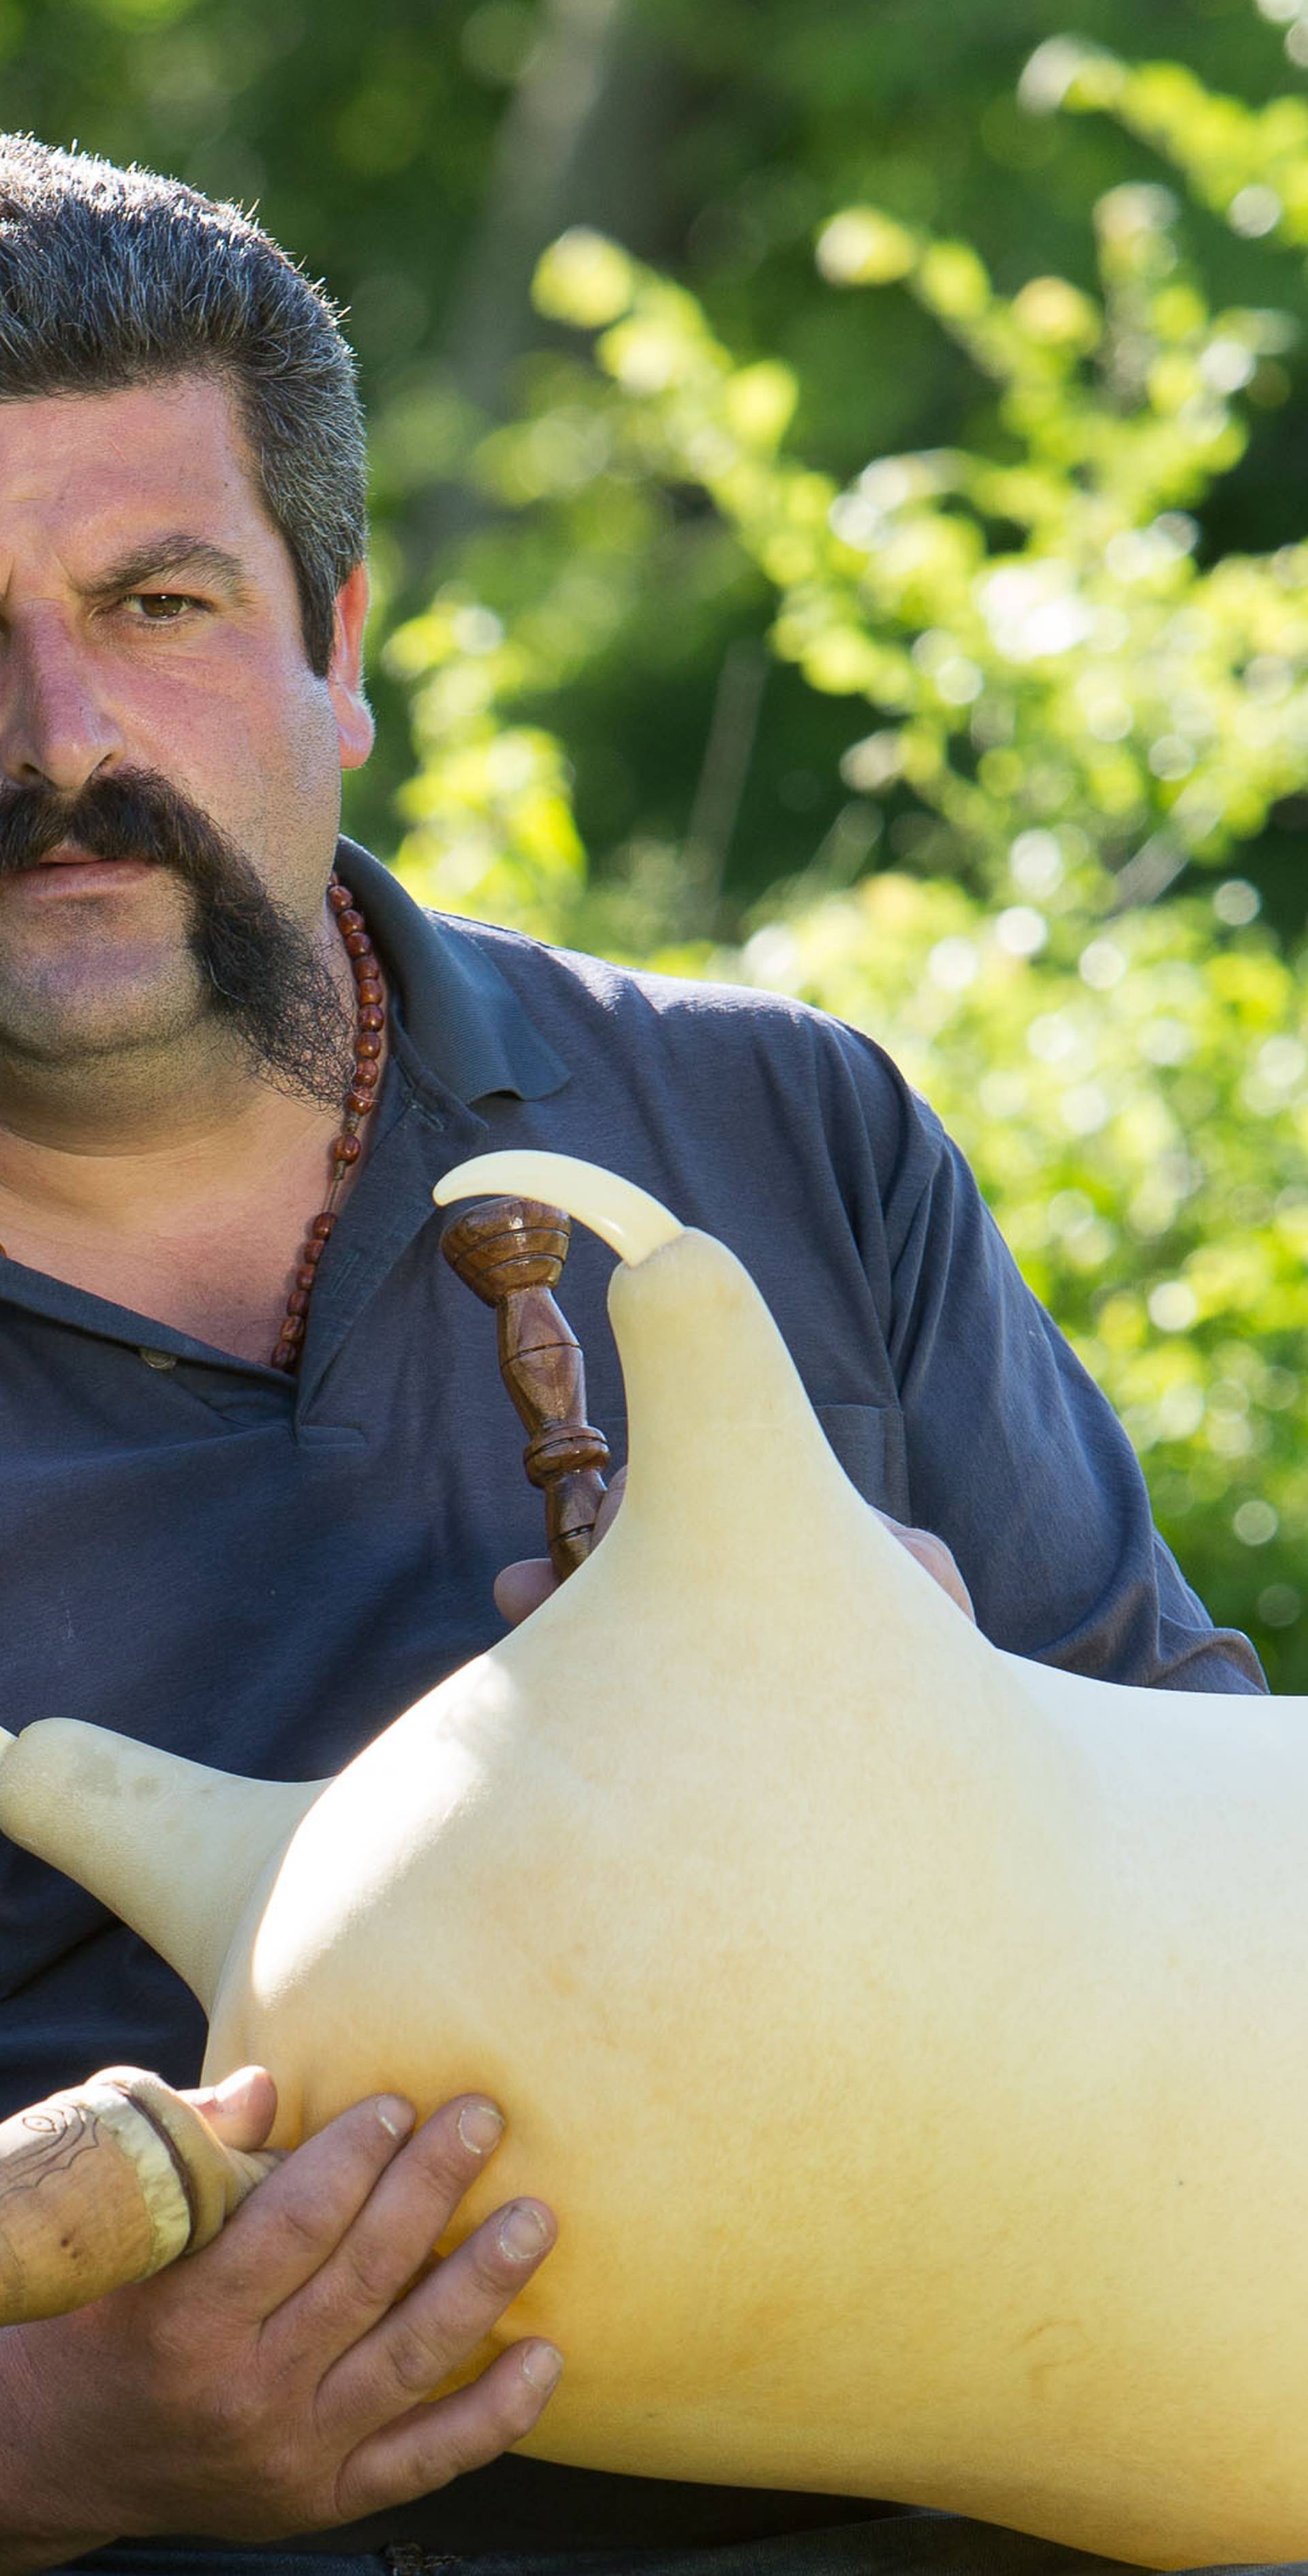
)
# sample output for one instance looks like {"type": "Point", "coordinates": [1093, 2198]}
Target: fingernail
{"type": "Point", "coordinates": [396, 2115]}
{"type": "Point", "coordinates": [235, 2083]}
{"type": "Point", "coordinates": [522, 2232]}
{"type": "Point", "coordinates": [542, 2364]}
{"type": "Point", "coordinates": [480, 2126]}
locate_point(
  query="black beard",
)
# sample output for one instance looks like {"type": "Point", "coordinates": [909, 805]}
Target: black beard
{"type": "Point", "coordinates": [270, 985]}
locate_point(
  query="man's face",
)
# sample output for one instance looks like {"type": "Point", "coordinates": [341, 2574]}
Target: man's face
{"type": "Point", "coordinates": [151, 641]}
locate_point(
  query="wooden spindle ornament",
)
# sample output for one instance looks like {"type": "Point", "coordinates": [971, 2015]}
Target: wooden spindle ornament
{"type": "Point", "coordinates": [106, 2184]}
{"type": "Point", "coordinates": [511, 1253]}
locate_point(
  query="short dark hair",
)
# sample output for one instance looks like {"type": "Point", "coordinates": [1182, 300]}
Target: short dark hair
{"type": "Point", "coordinates": [111, 278]}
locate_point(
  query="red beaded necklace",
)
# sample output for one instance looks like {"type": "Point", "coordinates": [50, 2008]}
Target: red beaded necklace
{"type": "Point", "coordinates": [369, 1039]}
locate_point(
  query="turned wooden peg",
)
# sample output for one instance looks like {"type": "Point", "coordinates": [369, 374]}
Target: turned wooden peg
{"type": "Point", "coordinates": [106, 2184]}
{"type": "Point", "coordinates": [511, 1252]}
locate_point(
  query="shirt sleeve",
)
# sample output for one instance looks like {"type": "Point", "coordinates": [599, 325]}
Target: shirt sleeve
{"type": "Point", "coordinates": [1019, 1464]}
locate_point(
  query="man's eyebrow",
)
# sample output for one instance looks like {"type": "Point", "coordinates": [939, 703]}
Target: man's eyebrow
{"type": "Point", "coordinates": [163, 559]}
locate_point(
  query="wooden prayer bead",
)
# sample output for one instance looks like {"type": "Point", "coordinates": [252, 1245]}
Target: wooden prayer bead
{"type": "Point", "coordinates": [360, 1099]}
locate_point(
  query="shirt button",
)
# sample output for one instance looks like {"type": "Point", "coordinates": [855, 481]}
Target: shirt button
{"type": "Point", "coordinates": [158, 1359]}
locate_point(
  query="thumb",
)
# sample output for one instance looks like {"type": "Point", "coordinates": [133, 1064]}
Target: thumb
{"type": "Point", "coordinates": [521, 1588]}
{"type": "Point", "coordinates": [241, 2109]}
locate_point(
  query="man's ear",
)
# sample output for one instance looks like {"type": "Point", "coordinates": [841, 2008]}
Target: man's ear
{"type": "Point", "coordinates": [354, 725]}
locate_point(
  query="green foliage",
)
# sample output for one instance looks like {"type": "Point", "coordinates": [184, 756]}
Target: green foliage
{"type": "Point", "coordinates": [1135, 1105]}
{"type": "Point", "coordinates": [1249, 164]}
{"type": "Point", "coordinates": [1032, 622]}
{"type": "Point", "coordinates": [491, 819]}
{"type": "Point", "coordinates": [1076, 705]}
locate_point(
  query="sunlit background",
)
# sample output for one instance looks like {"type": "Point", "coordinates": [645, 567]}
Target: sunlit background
{"type": "Point", "coordinates": [841, 523]}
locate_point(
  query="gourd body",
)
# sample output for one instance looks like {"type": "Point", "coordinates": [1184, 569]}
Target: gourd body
{"type": "Point", "coordinates": [910, 2039]}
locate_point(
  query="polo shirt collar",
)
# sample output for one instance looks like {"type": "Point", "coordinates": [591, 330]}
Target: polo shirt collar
{"type": "Point", "coordinates": [461, 1021]}
{"type": "Point", "coordinates": [460, 1034]}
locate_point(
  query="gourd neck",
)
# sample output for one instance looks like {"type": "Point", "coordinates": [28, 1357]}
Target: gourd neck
{"type": "Point", "coordinates": [172, 1847]}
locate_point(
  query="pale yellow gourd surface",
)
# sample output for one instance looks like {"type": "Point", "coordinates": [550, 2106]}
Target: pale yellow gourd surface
{"type": "Point", "coordinates": [912, 2041]}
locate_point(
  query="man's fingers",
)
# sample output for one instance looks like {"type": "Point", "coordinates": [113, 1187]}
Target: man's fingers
{"type": "Point", "coordinates": [610, 1504]}
{"type": "Point", "coordinates": [289, 2228]}
{"type": "Point", "coordinates": [938, 1561]}
{"type": "Point", "coordinates": [523, 1586]}
{"type": "Point", "coordinates": [439, 2326]}
{"type": "Point", "coordinates": [392, 2238]}
{"type": "Point", "coordinates": [441, 2323]}
{"type": "Point", "coordinates": [249, 2377]}
{"type": "Point", "coordinates": [934, 1557]}
{"type": "Point", "coordinates": [432, 2444]}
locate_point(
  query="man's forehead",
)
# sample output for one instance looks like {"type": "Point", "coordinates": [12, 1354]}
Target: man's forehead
{"type": "Point", "coordinates": [106, 470]}
{"type": "Point", "coordinates": [135, 446]}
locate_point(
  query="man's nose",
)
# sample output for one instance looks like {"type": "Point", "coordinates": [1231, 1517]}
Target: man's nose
{"type": "Point", "coordinates": [56, 728]}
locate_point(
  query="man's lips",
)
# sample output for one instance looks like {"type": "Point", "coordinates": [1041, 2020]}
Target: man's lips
{"type": "Point", "coordinates": [70, 870]}
{"type": "Point", "coordinates": [70, 855]}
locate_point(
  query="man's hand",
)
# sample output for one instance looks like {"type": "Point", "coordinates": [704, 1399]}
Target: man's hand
{"type": "Point", "coordinates": [276, 2382]}
{"type": "Point", "coordinates": [521, 1588]}
{"type": "Point", "coordinates": [934, 1557]}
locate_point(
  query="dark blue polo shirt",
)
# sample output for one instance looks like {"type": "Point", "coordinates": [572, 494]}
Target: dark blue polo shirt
{"type": "Point", "coordinates": [262, 1574]}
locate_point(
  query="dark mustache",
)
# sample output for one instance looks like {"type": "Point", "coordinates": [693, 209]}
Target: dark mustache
{"type": "Point", "coordinates": [266, 979]}
{"type": "Point", "coordinates": [133, 815]}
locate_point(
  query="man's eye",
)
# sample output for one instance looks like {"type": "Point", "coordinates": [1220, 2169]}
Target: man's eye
{"type": "Point", "coordinates": [160, 607]}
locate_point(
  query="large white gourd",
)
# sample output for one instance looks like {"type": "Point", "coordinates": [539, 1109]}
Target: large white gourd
{"type": "Point", "coordinates": [913, 2041]}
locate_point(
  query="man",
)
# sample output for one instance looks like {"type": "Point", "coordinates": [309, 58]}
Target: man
{"type": "Point", "coordinates": [259, 1480]}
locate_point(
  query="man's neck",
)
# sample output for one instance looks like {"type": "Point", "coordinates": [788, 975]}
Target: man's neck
{"type": "Point", "coordinates": [129, 1100]}
{"type": "Point", "coordinates": [186, 1204]}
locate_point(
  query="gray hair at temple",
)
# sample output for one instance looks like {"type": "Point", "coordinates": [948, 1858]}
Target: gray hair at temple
{"type": "Point", "coordinates": [111, 278]}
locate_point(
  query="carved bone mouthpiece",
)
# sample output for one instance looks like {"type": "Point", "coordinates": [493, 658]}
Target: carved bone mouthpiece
{"type": "Point", "coordinates": [105, 2185]}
